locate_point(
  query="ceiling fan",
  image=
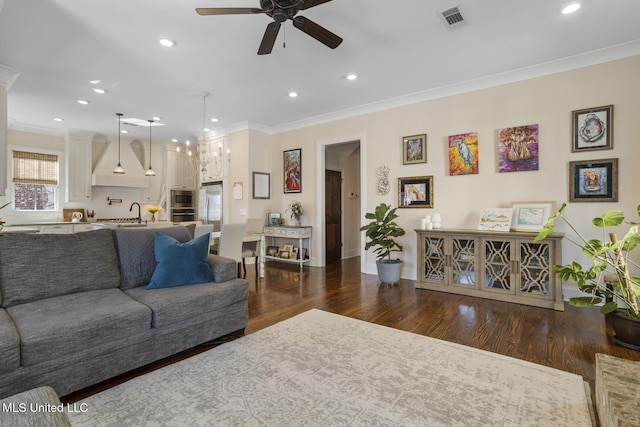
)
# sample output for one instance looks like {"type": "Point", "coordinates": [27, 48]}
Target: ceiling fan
{"type": "Point", "coordinates": [280, 11]}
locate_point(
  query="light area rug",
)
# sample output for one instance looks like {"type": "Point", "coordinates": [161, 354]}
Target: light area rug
{"type": "Point", "coordinates": [323, 369]}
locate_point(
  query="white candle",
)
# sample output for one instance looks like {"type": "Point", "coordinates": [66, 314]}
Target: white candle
{"type": "Point", "coordinates": [429, 225]}
{"type": "Point", "coordinates": [423, 223]}
{"type": "Point", "coordinates": [428, 218]}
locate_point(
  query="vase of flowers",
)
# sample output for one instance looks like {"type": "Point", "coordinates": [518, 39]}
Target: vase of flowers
{"type": "Point", "coordinates": [153, 212]}
{"type": "Point", "coordinates": [296, 210]}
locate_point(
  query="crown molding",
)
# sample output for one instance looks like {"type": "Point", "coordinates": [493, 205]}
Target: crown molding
{"type": "Point", "coordinates": [8, 75]}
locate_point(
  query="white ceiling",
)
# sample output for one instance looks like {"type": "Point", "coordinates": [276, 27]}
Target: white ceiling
{"type": "Point", "coordinates": [401, 49]}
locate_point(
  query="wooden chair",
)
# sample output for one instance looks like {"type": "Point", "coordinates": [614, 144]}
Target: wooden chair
{"type": "Point", "coordinates": [230, 242]}
{"type": "Point", "coordinates": [252, 249]}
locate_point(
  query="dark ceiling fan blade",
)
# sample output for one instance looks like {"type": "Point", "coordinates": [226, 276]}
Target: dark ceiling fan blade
{"type": "Point", "coordinates": [311, 3]}
{"type": "Point", "coordinates": [269, 38]}
{"type": "Point", "coordinates": [319, 33]}
{"type": "Point", "coordinates": [227, 10]}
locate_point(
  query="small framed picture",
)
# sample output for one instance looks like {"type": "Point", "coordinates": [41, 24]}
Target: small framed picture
{"type": "Point", "coordinates": [284, 254]}
{"type": "Point", "coordinates": [303, 253]}
{"type": "Point", "coordinates": [292, 164]}
{"type": "Point", "coordinates": [273, 218]}
{"type": "Point", "coordinates": [415, 192]}
{"type": "Point", "coordinates": [593, 181]}
{"type": "Point", "coordinates": [592, 129]}
{"type": "Point", "coordinates": [495, 219]}
{"type": "Point", "coordinates": [531, 216]}
{"type": "Point", "coordinates": [414, 149]}
{"type": "Point", "coordinates": [261, 185]}
{"type": "Point", "coordinates": [287, 247]}
{"type": "Point", "coordinates": [294, 253]}
{"type": "Point", "coordinates": [272, 250]}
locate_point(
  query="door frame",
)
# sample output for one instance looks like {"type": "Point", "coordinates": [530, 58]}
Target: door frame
{"type": "Point", "coordinates": [320, 245]}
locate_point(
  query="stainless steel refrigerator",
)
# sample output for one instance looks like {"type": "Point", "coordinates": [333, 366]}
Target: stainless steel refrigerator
{"type": "Point", "coordinates": [210, 204]}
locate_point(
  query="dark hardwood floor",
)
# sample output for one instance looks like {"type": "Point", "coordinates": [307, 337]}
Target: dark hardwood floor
{"type": "Point", "coordinates": [565, 340]}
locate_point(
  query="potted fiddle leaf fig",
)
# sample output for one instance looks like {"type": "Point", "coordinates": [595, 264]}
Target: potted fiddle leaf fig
{"type": "Point", "coordinates": [381, 233]}
{"type": "Point", "coordinates": [606, 279]}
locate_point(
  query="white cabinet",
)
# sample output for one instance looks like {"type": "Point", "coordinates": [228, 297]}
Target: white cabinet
{"type": "Point", "coordinates": [78, 168]}
{"type": "Point", "coordinates": [181, 170]}
{"type": "Point", "coordinates": [68, 228]}
{"type": "Point", "coordinates": [286, 237]}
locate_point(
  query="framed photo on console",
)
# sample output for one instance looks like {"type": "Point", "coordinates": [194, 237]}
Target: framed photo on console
{"type": "Point", "coordinates": [593, 181]}
{"type": "Point", "coordinates": [531, 216]}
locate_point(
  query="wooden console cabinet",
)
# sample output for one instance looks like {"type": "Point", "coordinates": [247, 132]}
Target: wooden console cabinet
{"type": "Point", "coordinates": [505, 266]}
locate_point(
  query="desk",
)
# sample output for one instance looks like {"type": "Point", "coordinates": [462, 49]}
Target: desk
{"type": "Point", "coordinates": [249, 237]}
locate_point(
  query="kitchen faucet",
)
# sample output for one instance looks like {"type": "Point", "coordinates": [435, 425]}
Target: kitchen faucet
{"type": "Point", "coordinates": [139, 217]}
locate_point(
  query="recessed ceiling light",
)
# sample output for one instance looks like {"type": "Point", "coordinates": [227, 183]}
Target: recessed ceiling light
{"type": "Point", "coordinates": [206, 129]}
{"type": "Point", "coordinates": [58, 119]}
{"type": "Point", "coordinates": [98, 90]}
{"type": "Point", "coordinates": [293, 94]}
{"type": "Point", "coordinates": [174, 140]}
{"type": "Point", "coordinates": [94, 82]}
{"type": "Point", "coordinates": [124, 131]}
{"type": "Point", "coordinates": [215, 120]}
{"type": "Point", "coordinates": [571, 8]}
{"type": "Point", "coordinates": [83, 102]}
{"type": "Point", "coordinates": [351, 76]}
{"type": "Point", "coordinates": [166, 42]}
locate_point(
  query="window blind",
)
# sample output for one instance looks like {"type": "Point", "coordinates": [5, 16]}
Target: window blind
{"type": "Point", "coordinates": [35, 168]}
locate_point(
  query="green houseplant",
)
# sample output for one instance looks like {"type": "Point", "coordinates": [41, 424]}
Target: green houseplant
{"type": "Point", "coordinates": [296, 210]}
{"type": "Point", "coordinates": [610, 255]}
{"type": "Point", "coordinates": [381, 233]}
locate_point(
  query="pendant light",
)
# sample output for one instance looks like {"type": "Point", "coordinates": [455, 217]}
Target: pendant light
{"type": "Point", "coordinates": [150, 171]}
{"type": "Point", "coordinates": [118, 169]}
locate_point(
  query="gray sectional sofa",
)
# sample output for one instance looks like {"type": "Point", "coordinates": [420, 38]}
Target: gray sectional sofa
{"type": "Point", "coordinates": [74, 308]}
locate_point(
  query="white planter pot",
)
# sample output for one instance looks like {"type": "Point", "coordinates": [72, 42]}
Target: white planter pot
{"type": "Point", "coordinates": [389, 272]}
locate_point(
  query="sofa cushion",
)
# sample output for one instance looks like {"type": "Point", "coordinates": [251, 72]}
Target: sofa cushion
{"type": "Point", "coordinates": [60, 326]}
{"type": "Point", "coordinates": [183, 304]}
{"type": "Point", "coordinates": [180, 264]}
{"type": "Point", "coordinates": [40, 266]}
{"type": "Point", "coordinates": [9, 344]}
{"type": "Point", "coordinates": [136, 253]}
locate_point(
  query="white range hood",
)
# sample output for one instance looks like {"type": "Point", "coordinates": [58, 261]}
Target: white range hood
{"type": "Point", "coordinates": [134, 172]}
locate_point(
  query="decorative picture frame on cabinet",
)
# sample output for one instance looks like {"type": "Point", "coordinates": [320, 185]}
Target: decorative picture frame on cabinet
{"type": "Point", "coordinates": [292, 165]}
{"type": "Point", "coordinates": [592, 129]}
{"type": "Point", "coordinates": [272, 250]}
{"type": "Point", "coordinates": [495, 219]}
{"type": "Point", "coordinates": [415, 192]}
{"type": "Point", "coordinates": [261, 185]}
{"type": "Point", "coordinates": [531, 216]}
{"type": "Point", "coordinates": [414, 149]}
{"type": "Point", "coordinates": [273, 218]}
{"type": "Point", "coordinates": [593, 181]}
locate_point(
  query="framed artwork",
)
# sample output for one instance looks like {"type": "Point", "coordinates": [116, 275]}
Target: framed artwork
{"type": "Point", "coordinates": [287, 247]}
{"type": "Point", "coordinates": [593, 181]}
{"type": "Point", "coordinates": [273, 218]}
{"type": "Point", "coordinates": [272, 250]}
{"type": "Point", "coordinates": [261, 185]}
{"type": "Point", "coordinates": [592, 129]}
{"type": "Point", "coordinates": [294, 253]}
{"type": "Point", "coordinates": [284, 254]}
{"type": "Point", "coordinates": [495, 219]}
{"type": "Point", "coordinates": [293, 171]}
{"type": "Point", "coordinates": [531, 216]}
{"type": "Point", "coordinates": [415, 192]}
{"type": "Point", "coordinates": [518, 149]}
{"type": "Point", "coordinates": [303, 253]}
{"type": "Point", "coordinates": [463, 154]}
{"type": "Point", "coordinates": [414, 149]}
{"type": "Point", "coordinates": [237, 190]}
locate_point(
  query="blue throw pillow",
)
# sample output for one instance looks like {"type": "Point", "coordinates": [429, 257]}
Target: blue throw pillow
{"type": "Point", "coordinates": [180, 264]}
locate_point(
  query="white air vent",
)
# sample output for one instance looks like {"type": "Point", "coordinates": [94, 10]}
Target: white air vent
{"type": "Point", "coordinates": [453, 17]}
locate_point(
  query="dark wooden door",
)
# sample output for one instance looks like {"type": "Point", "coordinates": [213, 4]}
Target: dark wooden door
{"type": "Point", "coordinates": [333, 214]}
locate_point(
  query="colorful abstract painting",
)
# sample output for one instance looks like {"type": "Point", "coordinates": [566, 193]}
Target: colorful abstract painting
{"type": "Point", "coordinates": [463, 154]}
{"type": "Point", "coordinates": [518, 149]}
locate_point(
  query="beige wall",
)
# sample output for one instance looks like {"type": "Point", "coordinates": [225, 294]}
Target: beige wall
{"type": "Point", "coordinates": [546, 101]}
